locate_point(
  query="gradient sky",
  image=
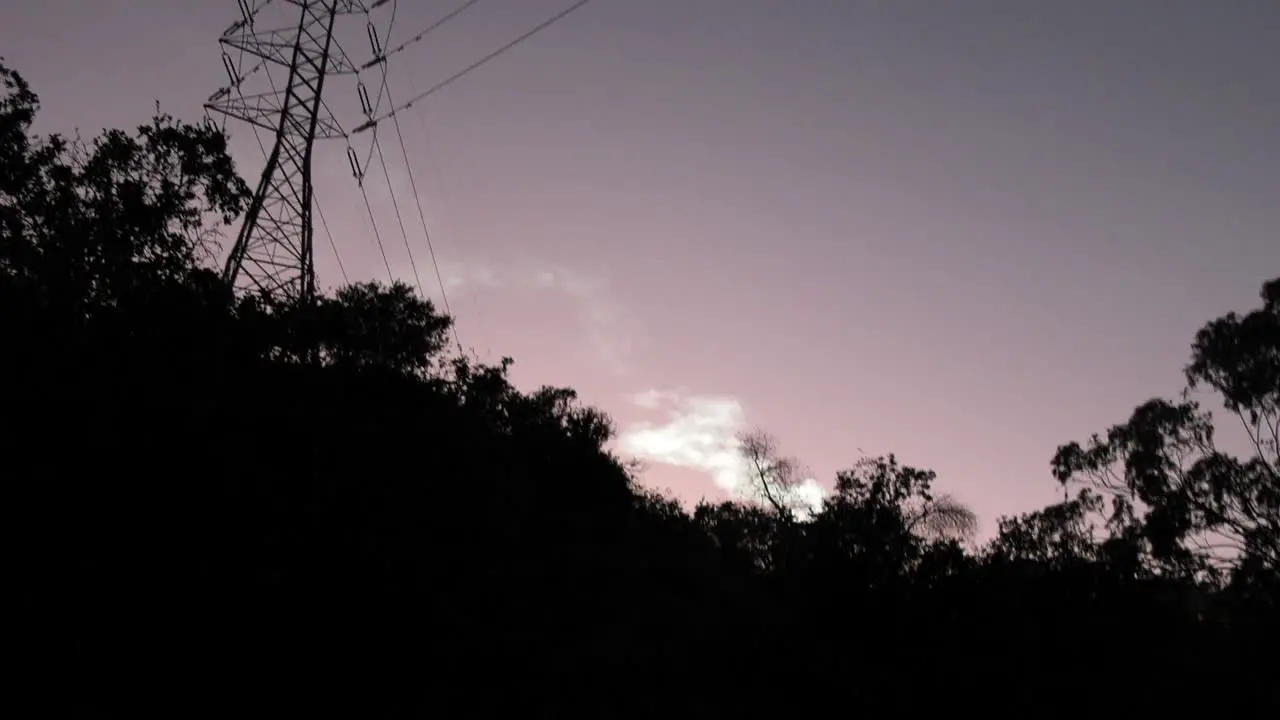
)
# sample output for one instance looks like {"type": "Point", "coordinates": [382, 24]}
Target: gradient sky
{"type": "Point", "coordinates": [965, 232]}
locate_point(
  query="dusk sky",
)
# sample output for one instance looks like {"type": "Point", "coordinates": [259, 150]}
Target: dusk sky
{"type": "Point", "coordinates": [965, 232]}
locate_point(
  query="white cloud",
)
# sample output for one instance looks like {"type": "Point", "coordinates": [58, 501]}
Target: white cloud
{"type": "Point", "coordinates": [809, 495]}
{"type": "Point", "coordinates": [701, 433]}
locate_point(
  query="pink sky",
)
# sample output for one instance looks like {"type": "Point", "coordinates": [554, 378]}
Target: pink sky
{"type": "Point", "coordinates": [962, 232]}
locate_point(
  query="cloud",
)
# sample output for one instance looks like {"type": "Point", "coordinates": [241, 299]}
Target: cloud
{"type": "Point", "coordinates": [651, 399]}
{"type": "Point", "coordinates": [701, 433]}
{"type": "Point", "coordinates": [809, 495]}
{"type": "Point", "coordinates": [457, 275]}
{"type": "Point", "coordinates": [600, 314]}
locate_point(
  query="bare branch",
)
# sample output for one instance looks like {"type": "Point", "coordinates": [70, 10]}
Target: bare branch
{"type": "Point", "coordinates": [773, 477]}
{"type": "Point", "coordinates": [944, 518]}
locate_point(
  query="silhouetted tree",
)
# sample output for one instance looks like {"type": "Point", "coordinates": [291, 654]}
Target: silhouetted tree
{"type": "Point", "coordinates": [317, 506]}
{"type": "Point", "coordinates": [772, 477]}
{"type": "Point", "coordinates": [1057, 535]}
{"type": "Point", "coordinates": [105, 224]}
{"type": "Point", "coordinates": [1192, 507]}
{"type": "Point", "coordinates": [871, 518]}
{"type": "Point", "coordinates": [943, 517]}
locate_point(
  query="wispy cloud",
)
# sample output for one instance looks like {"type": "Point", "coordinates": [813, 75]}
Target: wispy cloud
{"type": "Point", "coordinates": [700, 432]}
{"type": "Point", "coordinates": [599, 311]}
{"type": "Point", "coordinates": [457, 275]}
{"type": "Point", "coordinates": [601, 316]}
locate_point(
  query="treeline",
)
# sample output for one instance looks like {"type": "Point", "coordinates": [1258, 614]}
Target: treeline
{"type": "Point", "coordinates": [223, 504]}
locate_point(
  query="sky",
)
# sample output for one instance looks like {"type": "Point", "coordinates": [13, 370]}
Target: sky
{"type": "Point", "coordinates": [964, 232]}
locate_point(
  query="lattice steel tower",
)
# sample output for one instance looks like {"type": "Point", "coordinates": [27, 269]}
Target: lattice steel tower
{"type": "Point", "coordinates": [273, 250]}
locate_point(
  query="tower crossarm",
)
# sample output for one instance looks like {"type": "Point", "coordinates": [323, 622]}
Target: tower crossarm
{"type": "Point", "coordinates": [263, 110]}
{"type": "Point", "coordinates": [276, 46]}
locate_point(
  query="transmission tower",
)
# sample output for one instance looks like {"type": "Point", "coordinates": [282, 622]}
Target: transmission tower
{"type": "Point", "coordinates": [272, 254]}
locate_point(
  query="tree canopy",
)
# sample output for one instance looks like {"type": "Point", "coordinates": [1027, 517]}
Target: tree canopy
{"type": "Point", "coordinates": [224, 502]}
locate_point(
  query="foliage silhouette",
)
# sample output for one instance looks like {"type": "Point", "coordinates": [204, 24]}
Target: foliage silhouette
{"type": "Point", "coordinates": [1188, 507]}
{"type": "Point", "coordinates": [220, 502]}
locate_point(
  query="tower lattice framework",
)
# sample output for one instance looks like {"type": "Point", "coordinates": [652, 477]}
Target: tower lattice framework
{"type": "Point", "coordinates": [273, 252]}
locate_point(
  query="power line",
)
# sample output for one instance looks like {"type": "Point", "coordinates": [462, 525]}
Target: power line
{"type": "Point", "coordinates": [419, 37]}
{"type": "Point", "coordinates": [376, 146]}
{"type": "Point", "coordinates": [477, 317]}
{"type": "Point", "coordinates": [422, 216]}
{"type": "Point", "coordinates": [395, 206]}
{"type": "Point", "coordinates": [391, 25]}
{"type": "Point", "coordinates": [372, 110]}
{"type": "Point", "coordinates": [377, 236]}
{"type": "Point", "coordinates": [325, 224]}
{"type": "Point", "coordinates": [249, 10]}
{"type": "Point", "coordinates": [473, 66]}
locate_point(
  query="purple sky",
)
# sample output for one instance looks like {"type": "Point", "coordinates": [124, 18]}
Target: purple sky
{"type": "Point", "coordinates": [965, 232]}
